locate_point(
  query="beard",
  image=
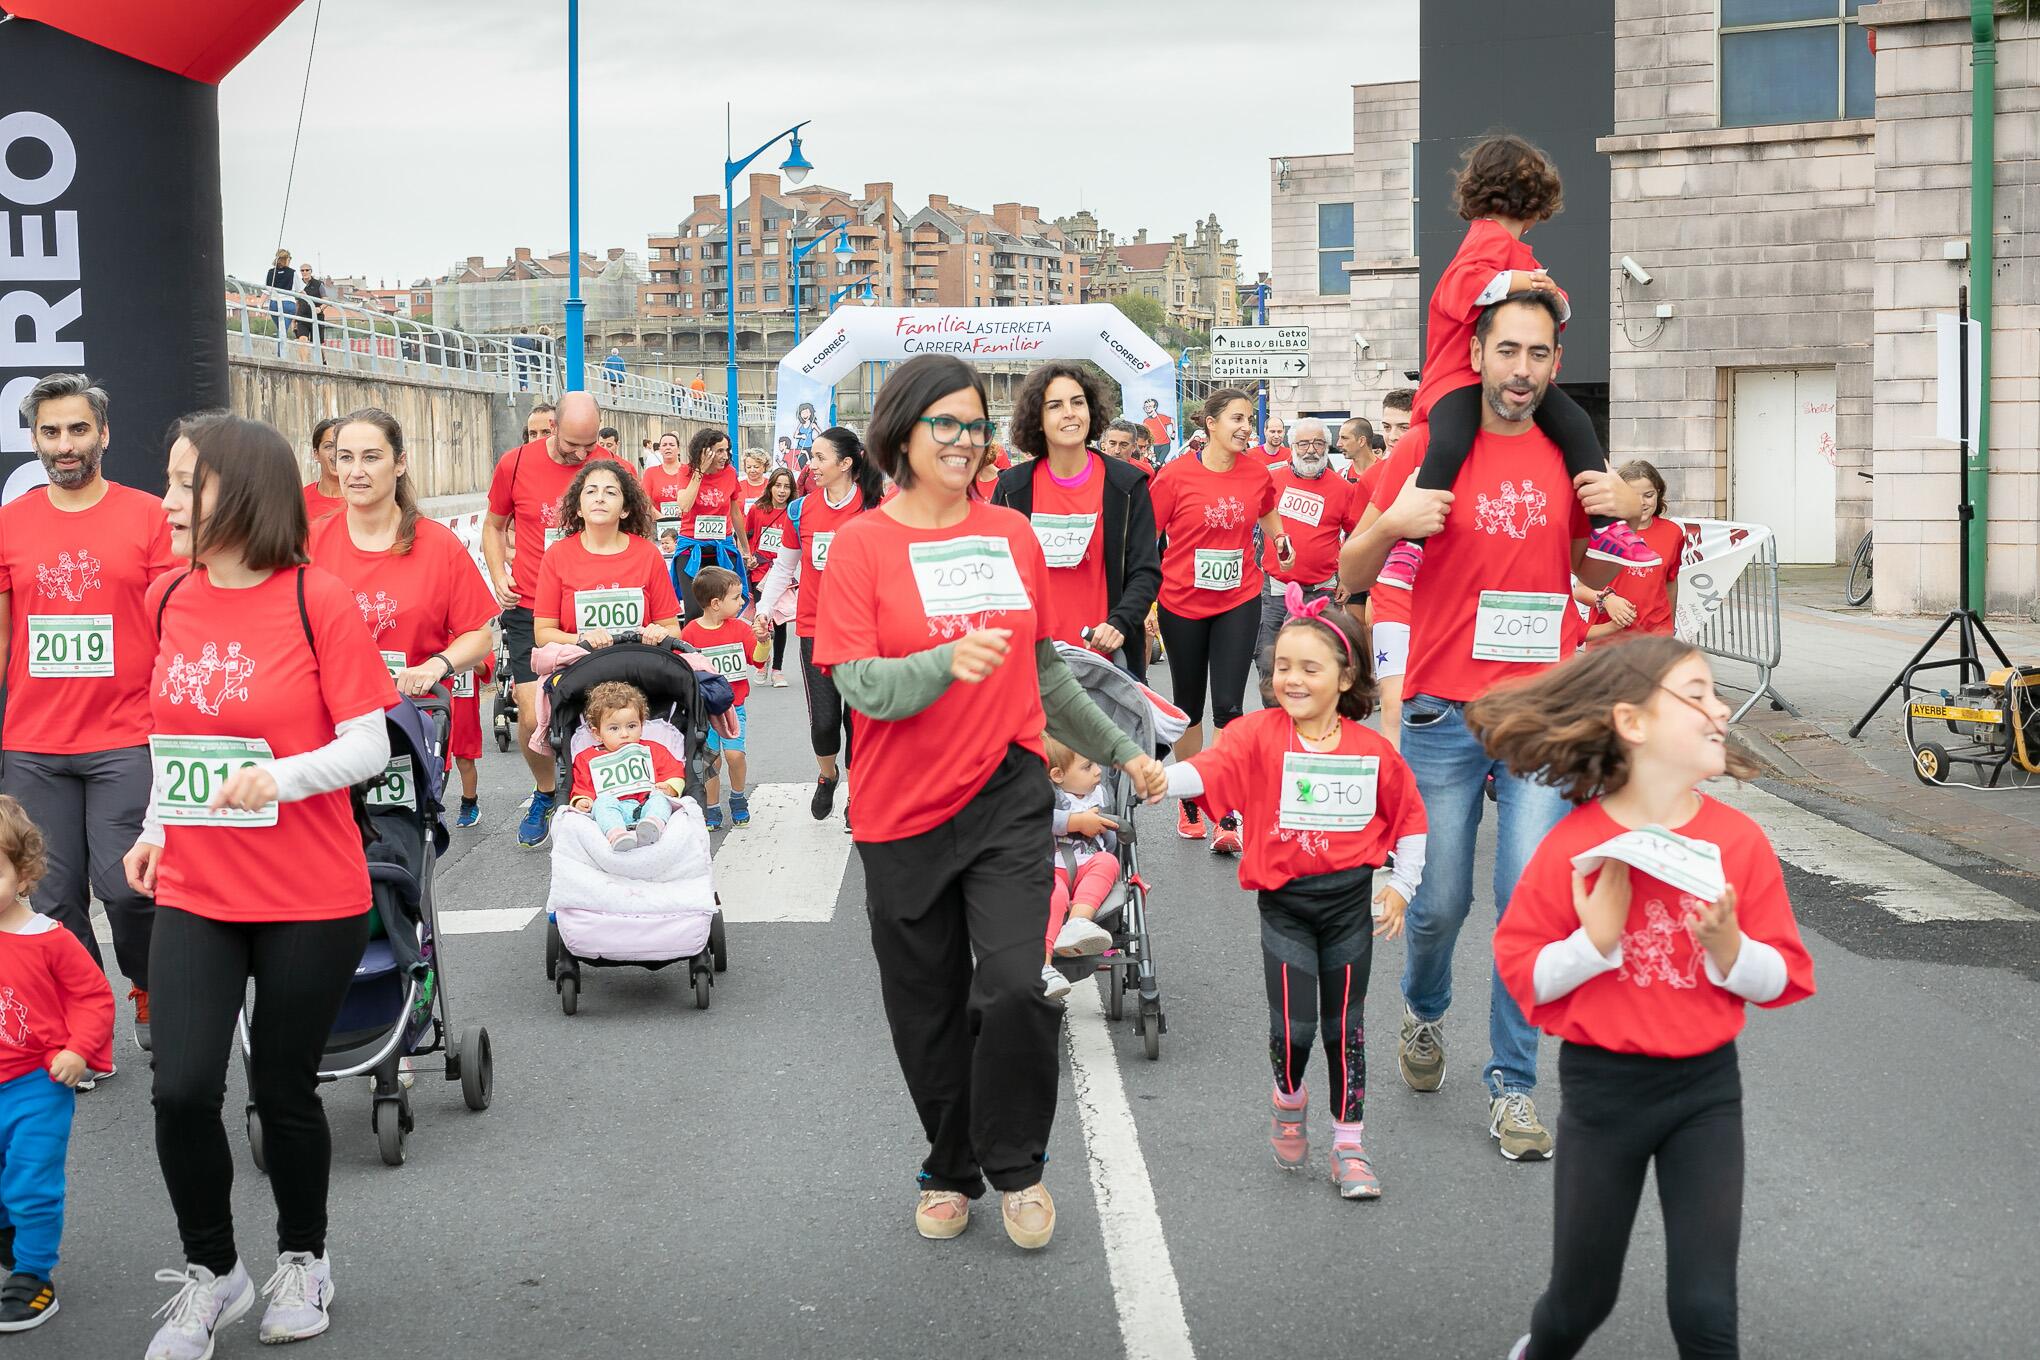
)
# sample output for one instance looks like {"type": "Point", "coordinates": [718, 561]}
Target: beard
{"type": "Point", "coordinates": [1492, 392]}
{"type": "Point", "coordinates": [70, 479]}
{"type": "Point", "coordinates": [1310, 464]}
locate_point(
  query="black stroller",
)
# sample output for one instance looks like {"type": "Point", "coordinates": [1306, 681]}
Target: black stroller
{"type": "Point", "coordinates": [503, 708]}
{"type": "Point", "coordinates": [397, 1007]}
{"type": "Point", "coordinates": [623, 935]}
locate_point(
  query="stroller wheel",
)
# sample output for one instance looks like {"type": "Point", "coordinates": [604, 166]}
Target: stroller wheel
{"type": "Point", "coordinates": [1151, 1032]}
{"type": "Point", "coordinates": [389, 1131]}
{"type": "Point", "coordinates": [704, 983]}
{"type": "Point", "coordinates": [552, 949]}
{"type": "Point", "coordinates": [502, 741]}
{"type": "Point", "coordinates": [255, 1148]}
{"type": "Point", "coordinates": [570, 993]}
{"type": "Point", "coordinates": [477, 1069]}
{"type": "Point", "coordinates": [718, 944]}
{"type": "Point", "coordinates": [1115, 993]}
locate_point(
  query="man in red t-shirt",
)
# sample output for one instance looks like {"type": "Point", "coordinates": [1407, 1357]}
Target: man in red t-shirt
{"type": "Point", "coordinates": [524, 497]}
{"type": "Point", "coordinates": [1318, 509]}
{"type": "Point", "coordinates": [76, 560]}
{"type": "Point", "coordinates": [1274, 450]}
{"type": "Point", "coordinates": [1490, 605]}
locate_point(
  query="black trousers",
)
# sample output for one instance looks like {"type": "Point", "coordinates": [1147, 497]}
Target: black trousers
{"type": "Point", "coordinates": [1621, 1112]}
{"type": "Point", "coordinates": [201, 969]}
{"type": "Point", "coordinates": [1218, 651]}
{"type": "Point", "coordinates": [828, 715]}
{"type": "Point", "coordinates": [1455, 420]}
{"type": "Point", "coordinates": [1317, 946]}
{"type": "Point", "coordinates": [778, 646]}
{"type": "Point", "coordinates": [977, 1045]}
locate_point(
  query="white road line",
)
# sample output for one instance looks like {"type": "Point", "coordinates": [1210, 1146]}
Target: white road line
{"type": "Point", "coordinates": [1151, 1321]}
{"type": "Point", "coordinates": [1908, 887]}
{"type": "Point", "coordinates": [784, 866]}
{"type": "Point", "coordinates": [487, 920]}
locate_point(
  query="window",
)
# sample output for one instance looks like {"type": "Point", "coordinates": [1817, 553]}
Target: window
{"type": "Point", "coordinates": [772, 269]}
{"type": "Point", "coordinates": [743, 247]}
{"type": "Point", "coordinates": [747, 295]}
{"type": "Point", "coordinates": [687, 299]}
{"type": "Point", "coordinates": [772, 246]}
{"type": "Point", "coordinates": [1794, 61]}
{"type": "Point", "coordinates": [772, 295]}
{"type": "Point", "coordinates": [745, 271]}
{"type": "Point", "coordinates": [1334, 248]}
{"type": "Point", "coordinates": [687, 252]}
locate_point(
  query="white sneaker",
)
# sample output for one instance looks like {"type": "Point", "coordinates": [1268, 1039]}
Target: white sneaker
{"type": "Point", "coordinates": [299, 1294]}
{"type": "Point", "coordinates": [1517, 1351]}
{"type": "Point", "coordinates": [1054, 985]}
{"type": "Point", "coordinates": [202, 1305]}
{"type": "Point", "coordinates": [1081, 936]}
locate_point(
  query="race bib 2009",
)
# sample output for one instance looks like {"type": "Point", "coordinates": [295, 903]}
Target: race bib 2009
{"type": "Point", "coordinates": [1218, 568]}
{"type": "Point", "coordinates": [1327, 792]}
{"type": "Point", "coordinates": [608, 609]}
{"type": "Point", "coordinates": [626, 770]}
{"type": "Point", "coordinates": [1518, 626]}
{"type": "Point", "coordinates": [971, 575]}
{"type": "Point", "coordinates": [188, 771]}
{"type": "Point", "coordinates": [69, 646]}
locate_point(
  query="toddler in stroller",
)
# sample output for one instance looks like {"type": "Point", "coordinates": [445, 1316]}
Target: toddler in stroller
{"type": "Point", "coordinates": [1086, 862]}
{"type": "Point", "coordinates": [627, 786]}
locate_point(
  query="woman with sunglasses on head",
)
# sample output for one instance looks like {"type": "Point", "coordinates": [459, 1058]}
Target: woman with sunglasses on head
{"type": "Point", "coordinates": [847, 485]}
{"type": "Point", "coordinates": [933, 628]}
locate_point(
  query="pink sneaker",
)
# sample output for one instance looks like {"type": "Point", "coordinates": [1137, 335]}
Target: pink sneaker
{"type": "Point", "coordinates": [1400, 570]}
{"type": "Point", "coordinates": [1353, 1173]}
{"type": "Point", "coordinates": [1287, 1134]}
{"type": "Point", "coordinates": [1618, 543]}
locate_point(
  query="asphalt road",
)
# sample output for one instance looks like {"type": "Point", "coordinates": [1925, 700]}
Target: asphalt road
{"type": "Point", "coordinates": [656, 1180]}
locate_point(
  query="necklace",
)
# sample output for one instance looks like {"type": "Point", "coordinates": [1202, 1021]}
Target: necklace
{"type": "Point", "coordinates": [1320, 736]}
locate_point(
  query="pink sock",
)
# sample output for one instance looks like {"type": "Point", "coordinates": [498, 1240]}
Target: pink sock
{"type": "Point", "coordinates": [1293, 1102]}
{"type": "Point", "coordinates": [1346, 1135]}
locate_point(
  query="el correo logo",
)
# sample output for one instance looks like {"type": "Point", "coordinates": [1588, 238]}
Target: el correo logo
{"type": "Point", "coordinates": [51, 259]}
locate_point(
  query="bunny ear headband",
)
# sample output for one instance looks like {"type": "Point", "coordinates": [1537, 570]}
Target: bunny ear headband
{"type": "Point", "coordinates": [1314, 611]}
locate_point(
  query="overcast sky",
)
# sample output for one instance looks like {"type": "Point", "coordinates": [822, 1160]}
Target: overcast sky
{"type": "Point", "coordinates": [436, 129]}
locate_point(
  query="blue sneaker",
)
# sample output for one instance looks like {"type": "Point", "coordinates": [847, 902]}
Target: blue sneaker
{"type": "Point", "coordinates": [536, 828]}
{"type": "Point", "coordinates": [470, 813]}
{"type": "Point", "coordinates": [740, 810]}
{"type": "Point", "coordinates": [714, 817]}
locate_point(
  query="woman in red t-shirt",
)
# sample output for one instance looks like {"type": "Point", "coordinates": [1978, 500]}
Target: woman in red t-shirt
{"type": "Point", "coordinates": [711, 517]}
{"type": "Point", "coordinates": [605, 574]}
{"type": "Point", "coordinates": [1641, 599]}
{"type": "Point", "coordinates": [751, 486]}
{"type": "Point", "coordinates": [666, 483]}
{"type": "Point", "coordinates": [1207, 504]}
{"type": "Point", "coordinates": [931, 626]}
{"type": "Point", "coordinates": [428, 606]}
{"type": "Point", "coordinates": [768, 524]}
{"type": "Point", "coordinates": [1646, 980]}
{"type": "Point", "coordinates": [267, 702]}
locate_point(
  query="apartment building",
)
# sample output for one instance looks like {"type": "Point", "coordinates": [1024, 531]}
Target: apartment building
{"type": "Point", "coordinates": [530, 290]}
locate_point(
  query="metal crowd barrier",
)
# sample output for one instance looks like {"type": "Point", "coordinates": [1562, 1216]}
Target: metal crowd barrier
{"type": "Point", "coordinates": [656, 394]}
{"type": "Point", "coordinates": [1746, 627]}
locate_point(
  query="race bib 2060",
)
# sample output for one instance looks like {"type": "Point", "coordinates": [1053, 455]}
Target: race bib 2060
{"type": "Point", "coordinates": [626, 770]}
{"type": "Point", "coordinates": [608, 609]}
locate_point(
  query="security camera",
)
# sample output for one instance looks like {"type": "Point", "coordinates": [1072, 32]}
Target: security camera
{"type": "Point", "coordinates": [1360, 343]}
{"type": "Point", "coordinates": [1635, 270]}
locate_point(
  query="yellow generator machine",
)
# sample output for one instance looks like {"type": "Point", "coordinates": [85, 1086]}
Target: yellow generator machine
{"type": "Point", "coordinates": [1988, 726]}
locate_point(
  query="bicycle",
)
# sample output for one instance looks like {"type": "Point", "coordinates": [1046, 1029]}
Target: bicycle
{"type": "Point", "coordinates": [1856, 590]}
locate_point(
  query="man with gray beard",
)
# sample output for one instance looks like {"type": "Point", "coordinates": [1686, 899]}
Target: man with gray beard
{"type": "Point", "coordinates": [76, 560]}
{"type": "Point", "coordinates": [1318, 509]}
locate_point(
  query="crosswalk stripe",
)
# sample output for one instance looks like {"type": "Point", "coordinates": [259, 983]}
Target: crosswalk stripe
{"type": "Point", "coordinates": [1908, 887]}
{"type": "Point", "coordinates": [784, 866]}
{"type": "Point", "coordinates": [487, 920]}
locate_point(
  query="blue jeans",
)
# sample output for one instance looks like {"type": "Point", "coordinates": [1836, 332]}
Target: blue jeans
{"type": "Point", "coordinates": [35, 1133]}
{"type": "Point", "coordinates": [1452, 770]}
{"type": "Point", "coordinates": [613, 814]}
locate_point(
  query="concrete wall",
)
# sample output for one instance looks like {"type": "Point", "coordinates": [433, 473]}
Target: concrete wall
{"type": "Point", "coordinates": [453, 435]}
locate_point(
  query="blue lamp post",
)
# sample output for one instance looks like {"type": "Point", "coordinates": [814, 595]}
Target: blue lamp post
{"type": "Point", "coordinates": [801, 253]}
{"type": "Point", "coordinates": [795, 167]}
{"type": "Point", "coordinates": [577, 353]}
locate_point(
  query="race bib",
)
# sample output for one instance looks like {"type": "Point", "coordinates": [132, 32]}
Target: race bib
{"type": "Point", "coordinates": [727, 660]}
{"type": "Point", "coordinates": [188, 771]}
{"type": "Point", "coordinates": [464, 685]}
{"type": "Point", "coordinates": [554, 535]}
{"type": "Point", "coordinates": [626, 770]}
{"type": "Point", "coordinates": [396, 786]}
{"type": "Point", "coordinates": [664, 527]}
{"type": "Point", "coordinates": [1065, 538]}
{"type": "Point", "coordinates": [669, 510]}
{"type": "Point", "coordinates": [818, 550]}
{"type": "Point", "coordinates": [1301, 506]}
{"type": "Point", "coordinates": [393, 662]}
{"type": "Point", "coordinates": [608, 609]}
{"type": "Point", "coordinates": [772, 540]}
{"type": "Point", "coordinates": [1518, 625]}
{"type": "Point", "coordinates": [1327, 792]}
{"type": "Point", "coordinates": [1691, 866]}
{"type": "Point", "coordinates": [708, 528]}
{"type": "Point", "coordinates": [64, 646]}
{"type": "Point", "coordinates": [970, 575]}
{"type": "Point", "coordinates": [1219, 568]}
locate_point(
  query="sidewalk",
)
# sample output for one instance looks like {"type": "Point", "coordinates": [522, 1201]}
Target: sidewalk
{"type": "Point", "coordinates": [1836, 662]}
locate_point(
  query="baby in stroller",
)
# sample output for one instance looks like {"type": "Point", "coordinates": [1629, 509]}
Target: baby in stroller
{"type": "Point", "coordinates": [628, 786]}
{"type": "Point", "coordinates": [1086, 862]}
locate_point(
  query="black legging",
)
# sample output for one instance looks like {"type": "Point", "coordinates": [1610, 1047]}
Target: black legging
{"type": "Point", "coordinates": [1455, 420]}
{"type": "Point", "coordinates": [1621, 1112]}
{"type": "Point", "coordinates": [828, 715]}
{"type": "Point", "coordinates": [1218, 650]}
{"type": "Point", "coordinates": [1317, 945]}
{"type": "Point", "coordinates": [778, 646]}
{"type": "Point", "coordinates": [200, 968]}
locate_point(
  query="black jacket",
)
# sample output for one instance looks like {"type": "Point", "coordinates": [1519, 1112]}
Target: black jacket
{"type": "Point", "coordinates": [1133, 562]}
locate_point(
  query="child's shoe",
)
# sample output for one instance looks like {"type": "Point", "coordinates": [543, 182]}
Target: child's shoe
{"type": "Point", "coordinates": [1227, 841]}
{"type": "Point", "coordinates": [714, 818]}
{"type": "Point", "coordinates": [1189, 822]}
{"type": "Point", "coordinates": [740, 809]}
{"type": "Point", "coordinates": [649, 832]}
{"type": "Point", "coordinates": [1054, 985]}
{"type": "Point", "coordinates": [299, 1293]}
{"type": "Point", "coordinates": [1352, 1172]}
{"type": "Point", "coordinates": [1079, 936]}
{"type": "Point", "coordinates": [26, 1302]}
{"type": "Point", "coordinates": [202, 1305]}
{"type": "Point", "coordinates": [778, 680]}
{"type": "Point", "coordinates": [623, 838]}
{"type": "Point", "coordinates": [1286, 1131]}
{"type": "Point", "coordinates": [470, 813]}
{"type": "Point", "coordinates": [1400, 570]}
{"type": "Point", "coordinates": [1618, 543]}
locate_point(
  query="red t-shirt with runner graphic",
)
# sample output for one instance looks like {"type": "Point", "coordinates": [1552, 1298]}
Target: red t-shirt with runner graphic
{"type": "Point", "coordinates": [1645, 587]}
{"type": "Point", "coordinates": [768, 530]}
{"type": "Point", "coordinates": [1208, 518]}
{"type": "Point", "coordinates": [1660, 1001]}
{"type": "Point", "coordinates": [716, 502]}
{"type": "Point", "coordinates": [415, 602]}
{"type": "Point", "coordinates": [1069, 524]}
{"type": "Point", "coordinates": [894, 591]}
{"type": "Point", "coordinates": [812, 531]}
{"type": "Point", "coordinates": [235, 663]}
{"type": "Point", "coordinates": [1509, 537]}
{"type": "Point", "coordinates": [81, 577]}
{"type": "Point", "coordinates": [664, 489]}
{"type": "Point", "coordinates": [728, 649]}
{"type": "Point", "coordinates": [1317, 514]}
{"type": "Point", "coordinates": [526, 489]}
{"type": "Point", "coordinates": [1486, 250]}
{"type": "Point", "coordinates": [570, 568]}
{"type": "Point", "coordinates": [1245, 769]}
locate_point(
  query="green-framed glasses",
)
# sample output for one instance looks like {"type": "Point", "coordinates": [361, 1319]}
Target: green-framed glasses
{"type": "Point", "coordinates": [949, 430]}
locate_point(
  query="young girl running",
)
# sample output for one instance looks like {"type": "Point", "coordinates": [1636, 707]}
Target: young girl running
{"type": "Point", "coordinates": [1642, 599]}
{"type": "Point", "coordinates": [464, 739]}
{"type": "Point", "coordinates": [1325, 801]}
{"type": "Point", "coordinates": [1646, 983]}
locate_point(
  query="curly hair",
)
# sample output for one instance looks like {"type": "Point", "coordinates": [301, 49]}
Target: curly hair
{"type": "Point", "coordinates": [1505, 176]}
{"type": "Point", "coordinates": [1342, 635]}
{"type": "Point", "coordinates": [22, 843]}
{"type": "Point", "coordinates": [613, 696]}
{"type": "Point", "coordinates": [1028, 435]}
{"type": "Point", "coordinates": [700, 444]}
{"type": "Point", "coordinates": [639, 518]}
{"type": "Point", "coordinates": [1559, 727]}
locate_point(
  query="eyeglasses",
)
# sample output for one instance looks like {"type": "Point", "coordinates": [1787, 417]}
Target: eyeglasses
{"type": "Point", "coordinates": [1311, 444]}
{"type": "Point", "coordinates": [949, 430]}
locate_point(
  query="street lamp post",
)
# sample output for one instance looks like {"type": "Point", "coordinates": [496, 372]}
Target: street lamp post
{"type": "Point", "coordinates": [577, 353]}
{"type": "Point", "coordinates": [1261, 391]}
{"type": "Point", "coordinates": [801, 253]}
{"type": "Point", "coordinates": [795, 167]}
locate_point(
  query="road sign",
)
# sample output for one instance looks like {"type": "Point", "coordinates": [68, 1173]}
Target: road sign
{"type": "Point", "coordinates": [1260, 365]}
{"type": "Point", "coordinates": [1260, 339]}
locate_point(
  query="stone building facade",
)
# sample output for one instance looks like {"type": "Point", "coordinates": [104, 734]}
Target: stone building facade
{"type": "Point", "coordinates": [1194, 276]}
{"type": "Point", "coordinates": [528, 290]}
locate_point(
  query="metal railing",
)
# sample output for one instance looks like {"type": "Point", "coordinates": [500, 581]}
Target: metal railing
{"type": "Point", "coordinates": [347, 337]}
{"type": "Point", "coordinates": [1746, 627]}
